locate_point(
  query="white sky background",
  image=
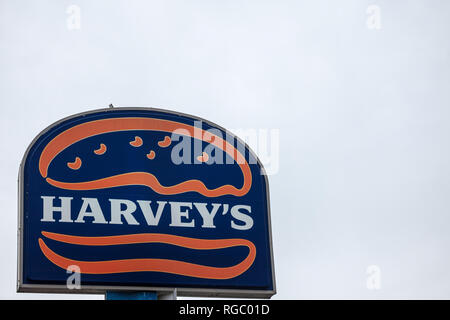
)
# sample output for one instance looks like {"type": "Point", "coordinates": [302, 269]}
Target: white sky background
{"type": "Point", "coordinates": [363, 116]}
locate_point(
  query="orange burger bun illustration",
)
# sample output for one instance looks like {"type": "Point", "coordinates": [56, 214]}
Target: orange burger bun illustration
{"type": "Point", "coordinates": [98, 127]}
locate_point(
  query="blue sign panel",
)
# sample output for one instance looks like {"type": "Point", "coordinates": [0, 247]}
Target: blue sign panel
{"type": "Point", "coordinates": [143, 199]}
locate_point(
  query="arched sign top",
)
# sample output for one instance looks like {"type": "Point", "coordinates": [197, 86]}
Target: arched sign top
{"type": "Point", "coordinates": [144, 199]}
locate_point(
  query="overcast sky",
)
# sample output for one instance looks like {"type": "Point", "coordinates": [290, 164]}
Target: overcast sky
{"type": "Point", "coordinates": [359, 91]}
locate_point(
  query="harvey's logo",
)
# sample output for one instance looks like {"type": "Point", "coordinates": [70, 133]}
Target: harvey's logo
{"type": "Point", "coordinates": [126, 191]}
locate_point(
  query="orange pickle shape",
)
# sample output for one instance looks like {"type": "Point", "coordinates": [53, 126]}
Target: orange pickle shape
{"type": "Point", "coordinates": [165, 143]}
{"type": "Point", "coordinates": [151, 155]}
{"type": "Point", "coordinates": [75, 165]}
{"type": "Point", "coordinates": [137, 142]}
{"type": "Point", "coordinates": [203, 157]}
{"type": "Point", "coordinates": [100, 150]}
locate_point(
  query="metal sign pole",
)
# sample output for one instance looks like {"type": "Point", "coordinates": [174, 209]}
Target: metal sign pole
{"type": "Point", "coordinates": [117, 295]}
{"type": "Point", "coordinates": [136, 295]}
